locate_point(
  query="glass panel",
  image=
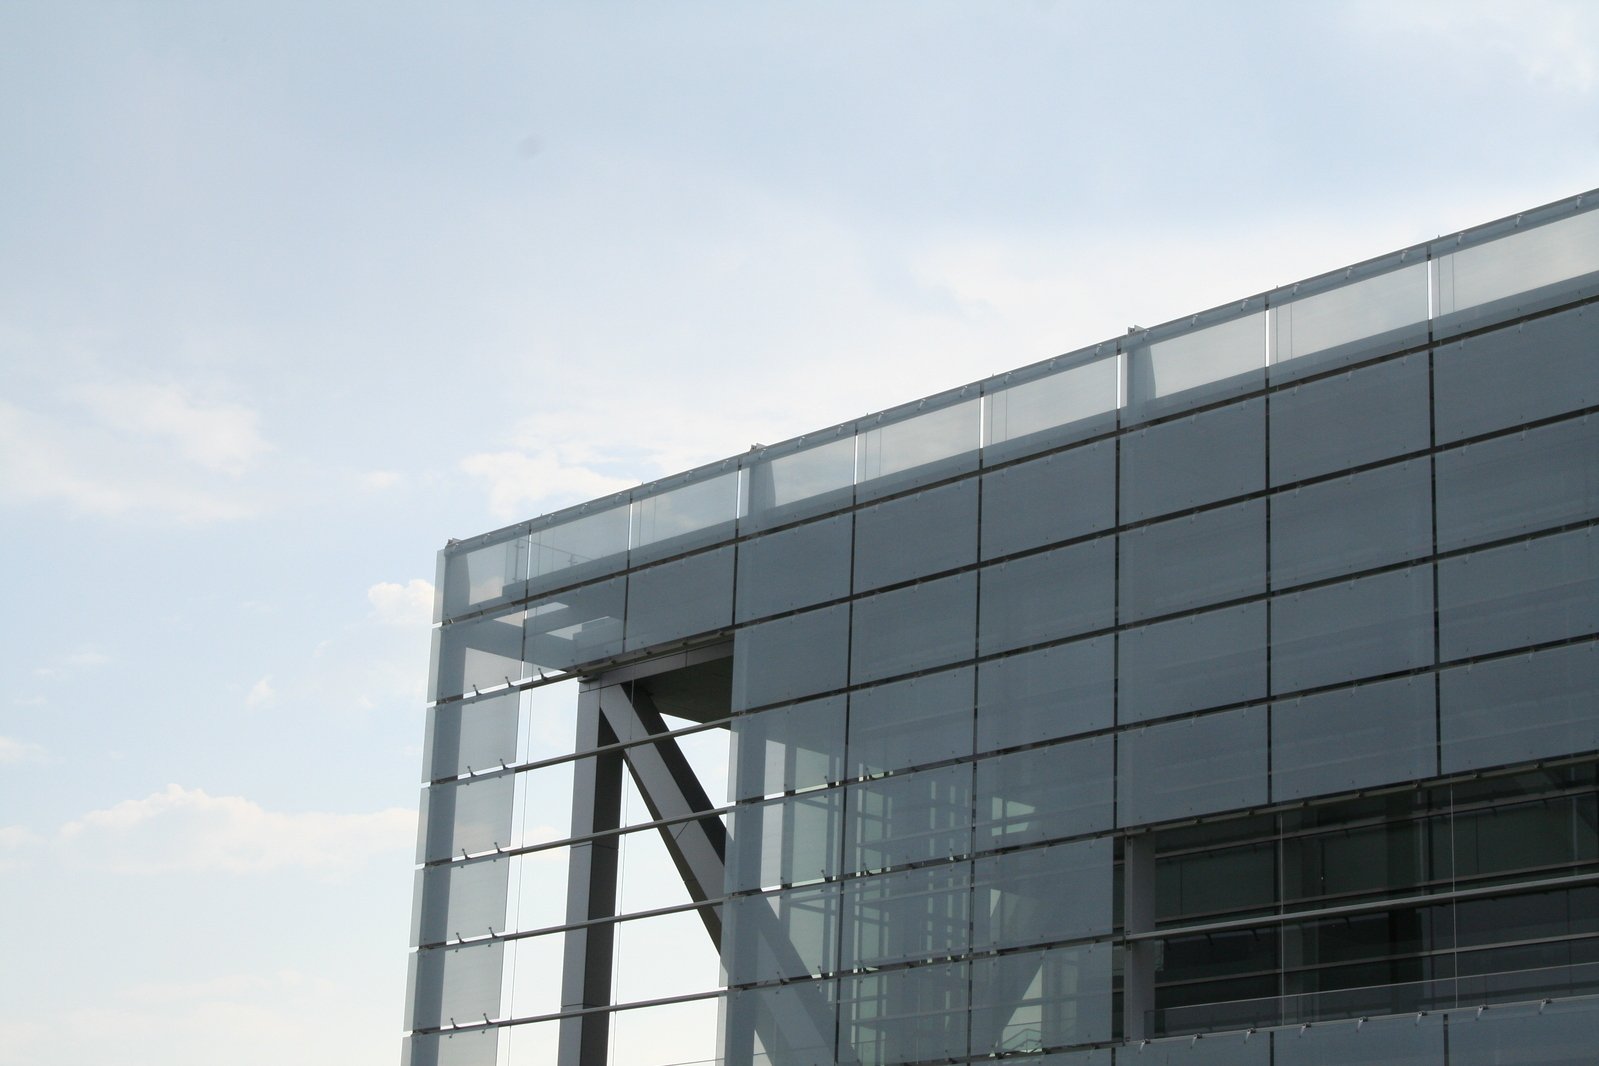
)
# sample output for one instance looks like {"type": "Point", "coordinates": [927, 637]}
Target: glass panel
{"type": "Point", "coordinates": [1559, 1033]}
{"type": "Point", "coordinates": [1053, 408]}
{"type": "Point", "coordinates": [917, 817]}
{"type": "Point", "coordinates": [1188, 462]}
{"type": "Point", "coordinates": [1350, 419]}
{"type": "Point", "coordinates": [1529, 707]}
{"type": "Point", "coordinates": [1037, 999]}
{"type": "Point", "coordinates": [665, 955]}
{"type": "Point", "coordinates": [484, 574]}
{"type": "Point", "coordinates": [1032, 796]}
{"type": "Point", "coordinates": [1216, 762]}
{"type": "Point", "coordinates": [477, 653]}
{"type": "Point", "coordinates": [1044, 694]}
{"type": "Point", "coordinates": [914, 628]}
{"type": "Point", "coordinates": [789, 748]}
{"type": "Point", "coordinates": [794, 568]}
{"type": "Point", "coordinates": [1385, 311]}
{"type": "Point", "coordinates": [907, 916]}
{"type": "Point", "coordinates": [682, 598]}
{"type": "Point", "coordinates": [470, 735]}
{"type": "Point", "coordinates": [1407, 1040]}
{"type": "Point", "coordinates": [1193, 662]}
{"type": "Point", "coordinates": [1527, 593]}
{"type": "Point", "coordinates": [568, 549]}
{"type": "Point", "coordinates": [455, 985]}
{"type": "Point", "coordinates": [1216, 1049]}
{"type": "Point", "coordinates": [668, 1034]}
{"type": "Point", "coordinates": [913, 1015]}
{"type": "Point", "coordinates": [1519, 483]}
{"type": "Point", "coordinates": [1048, 596]}
{"type": "Point", "coordinates": [1519, 263]}
{"type": "Point", "coordinates": [468, 816]}
{"type": "Point", "coordinates": [781, 936]}
{"type": "Point", "coordinates": [791, 657]}
{"type": "Point", "coordinates": [581, 625]}
{"type": "Point", "coordinates": [473, 1047]}
{"type": "Point", "coordinates": [931, 446]}
{"type": "Point", "coordinates": [459, 900]}
{"type": "Point", "coordinates": [916, 535]}
{"type": "Point", "coordinates": [1039, 895]}
{"type": "Point", "coordinates": [1522, 373]}
{"type": "Point", "coordinates": [785, 1025]}
{"type": "Point", "coordinates": [1362, 628]}
{"type": "Point", "coordinates": [1354, 738]}
{"type": "Point", "coordinates": [674, 520]}
{"type": "Point", "coordinates": [1352, 523]}
{"type": "Point", "coordinates": [808, 480]}
{"type": "Point", "coordinates": [784, 841]}
{"type": "Point", "coordinates": [908, 723]}
{"type": "Point", "coordinates": [1194, 560]}
{"type": "Point", "coordinates": [1221, 360]}
{"type": "Point", "coordinates": [1058, 497]}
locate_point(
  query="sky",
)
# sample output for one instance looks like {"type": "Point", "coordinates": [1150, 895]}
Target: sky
{"type": "Point", "coordinates": [292, 292]}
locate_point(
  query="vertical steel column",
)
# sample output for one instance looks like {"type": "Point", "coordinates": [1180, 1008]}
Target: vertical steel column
{"type": "Point", "coordinates": [590, 889]}
{"type": "Point", "coordinates": [1138, 914]}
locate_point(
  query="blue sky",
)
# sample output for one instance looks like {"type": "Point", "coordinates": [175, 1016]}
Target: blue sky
{"type": "Point", "coordinates": [292, 292]}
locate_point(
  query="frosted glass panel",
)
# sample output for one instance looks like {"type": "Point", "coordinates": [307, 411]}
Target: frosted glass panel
{"type": "Point", "coordinates": [1189, 462]}
{"type": "Point", "coordinates": [1558, 1033]}
{"type": "Point", "coordinates": [1058, 497]}
{"type": "Point", "coordinates": [1518, 483]}
{"type": "Point", "coordinates": [1357, 522]}
{"type": "Point", "coordinates": [1199, 559]}
{"type": "Point", "coordinates": [804, 482]}
{"type": "Point", "coordinates": [1194, 766]}
{"type": "Point", "coordinates": [577, 548]}
{"type": "Point", "coordinates": [791, 657]}
{"type": "Point", "coordinates": [474, 1047]}
{"type": "Point", "coordinates": [1519, 263]}
{"type": "Point", "coordinates": [1055, 407]}
{"type": "Point", "coordinates": [580, 625]}
{"type": "Point", "coordinates": [1038, 895]}
{"type": "Point", "coordinates": [484, 574]}
{"type": "Point", "coordinates": [1534, 369]}
{"type": "Point", "coordinates": [1221, 359]}
{"type": "Point", "coordinates": [916, 817]}
{"type": "Point", "coordinates": [917, 535]}
{"type": "Point", "coordinates": [1353, 313]}
{"type": "Point", "coordinates": [1037, 999]}
{"type": "Point", "coordinates": [789, 748]}
{"type": "Point", "coordinates": [1193, 662]}
{"type": "Point", "coordinates": [928, 447]}
{"type": "Point", "coordinates": [1349, 419]}
{"type": "Point", "coordinates": [1521, 594]}
{"type": "Point", "coordinates": [1354, 738]}
{"type": "Point", "coordinates": [1362, 628]}
{"type": "Point", "coordinates": [915, 628]}
{"type": "Point", "coordinates": [1406, 1040]}
{"type": "Point", "coordinates": [682, 598]}
{"type": "Point", "coordinates": [465, 816]}
{"type": "Point", "coordinates": [697, 513]}
{"type": "Point", "coordinates": [782, 935]}
{"type": "Point", "coordinates": [476, 654]}
{"type": "Point", "coordinates": [1028, 797]}
{"type": "Point", "coordinates": [781, 1025]}
{"type": "Point", "coordinates": [455, 985]}
{"type": "Point", "coordinates": [786, 841]}
{"type": "Point", "coordinates": [900, 1016]}
{"type": "Point", "coordinates": [906, 916]}
{"type": "Point", "coordinates": [794, 568]}
{"type": "Point", "coordinates": [1048, 596]}
{"type": "Point", "coordinates": [1048, 693]}
{"type": "Point", "coordinates": [459, 900]}
{"type": "Point", "coordinates": [470, 735]}
{"type": "Point", "coordinates": [921, 720]}
{"type": "Point", "coordinates": [1527, 707]}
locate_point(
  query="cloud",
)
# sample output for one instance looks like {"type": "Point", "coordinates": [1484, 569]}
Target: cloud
{"type": "Point", "coordinates": [410, 604]}
{"type": "Point", "coordinates": [219, 436]}
{"type": "Point", "coordinates": [72, 663]}
{"type": "Point", "coordinates": [115, 468]}
{"type": "Point", "coordinates": [377, 480]}
{"type": "Point", "coordinates": [521, 482]}
{"type": "Point", "coordinates": [1551, 42]}
{"type": "Point", "coordinates": [18, 751]}
{"type": "Point", "coordinates": [188, 830]}
{"type": "Point", "coordinates": [261, 694]}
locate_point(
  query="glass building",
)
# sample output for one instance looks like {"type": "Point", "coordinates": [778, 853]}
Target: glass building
{"type": "Point", "coordinates": [1227, 692]}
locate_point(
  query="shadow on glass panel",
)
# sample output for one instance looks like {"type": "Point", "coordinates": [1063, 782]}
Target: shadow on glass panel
{"type": "Point", "coordinates": [1517, 266]}
{"type": "Point", "coordinates": [1211, 356]}
{"type": "Point", "coordinates": [797, 479]}
{"type": "Point", "coordinates": [1047, 405]}
{"type": "Point", "coordinates": [919, 443]}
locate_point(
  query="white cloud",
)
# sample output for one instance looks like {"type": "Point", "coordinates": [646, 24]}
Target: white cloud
{"type": "Point", "coordinates": [103, 470]}
{"type": "Point", "coordinates": [377, 480]}
{"type": "Point", "coordinates": [261, 694]}
{"type": "Point", "coordinates": [217, 436]}
{"type": "Point", "coordinates": [522, 482]}
{"type": "Point", "coordinates": [72, 663]}
{"type": "Point", "coordinates": [16, 836]}
{"type": "Point", "coordinates": [187, 830]}
{"type": "Point", "coordinates": [410, 604]}
{"type": "Point", "coordinates": [18, 751]}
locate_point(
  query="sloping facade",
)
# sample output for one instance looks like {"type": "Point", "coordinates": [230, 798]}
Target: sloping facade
{"type": "Point", "coordinates": [1226, 692]}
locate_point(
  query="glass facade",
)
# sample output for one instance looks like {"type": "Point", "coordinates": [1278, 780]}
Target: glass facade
{"type": "Point", "coordinates": [1227, 692]}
